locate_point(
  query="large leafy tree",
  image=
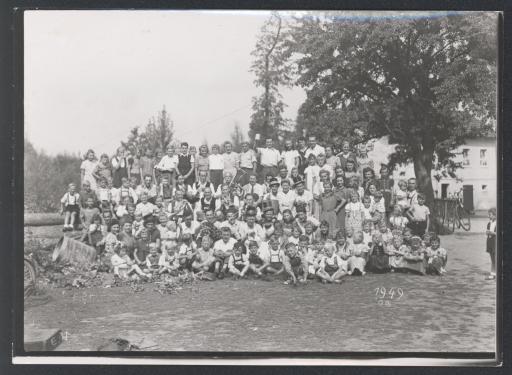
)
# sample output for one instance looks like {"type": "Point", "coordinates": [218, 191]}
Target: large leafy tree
{"type": "Point", "coordinates": [426, 82]}
{"type": "Point", "coordinates": [272, 71]}
{"type": "Point", "coordinates": [157, 134]}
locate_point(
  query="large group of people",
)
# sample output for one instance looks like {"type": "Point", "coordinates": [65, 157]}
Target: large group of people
{"type": "Point", "coordinates": [305, 212]}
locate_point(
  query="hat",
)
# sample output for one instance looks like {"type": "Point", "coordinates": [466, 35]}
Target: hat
{"type": "Point", "coordinates": [298, 182]}
{"type": "Point", "coordinates": [273, 181]}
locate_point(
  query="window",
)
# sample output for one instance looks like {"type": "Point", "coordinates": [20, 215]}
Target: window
{"type": "Point", "coordinates": [483, 157]}
{"type": "Point", "coordinates": [465, 156]}
{"type": "Point", "coordinates": [484, 187]}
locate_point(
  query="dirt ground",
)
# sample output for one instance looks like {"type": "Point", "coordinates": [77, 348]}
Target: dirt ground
{"type": "Point", "coordinates": [454, 313]}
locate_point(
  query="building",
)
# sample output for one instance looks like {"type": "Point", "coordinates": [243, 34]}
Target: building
{"type": "Point", "coordinates": [476, 177]}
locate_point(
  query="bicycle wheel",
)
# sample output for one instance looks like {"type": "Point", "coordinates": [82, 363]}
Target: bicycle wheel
{"type": "Point", "coordinates": [29, 277]}
{"type": "Point", "coordinates": [464, 218]}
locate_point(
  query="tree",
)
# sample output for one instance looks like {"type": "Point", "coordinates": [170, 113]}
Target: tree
{"type": "Point", "coordinates": [272, 71]}
{"type": "Point", "coordinates": [157, 135]}
{"type": "Point", "coordinates": [237, 137]}
{"type": "Point", "coordinates": [427, 83]}
{"type": "Point", "coordinates": [46, 178]}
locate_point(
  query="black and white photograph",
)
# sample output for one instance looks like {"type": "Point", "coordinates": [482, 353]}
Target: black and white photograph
{"type": "Point", "coordinates": [260, 181]}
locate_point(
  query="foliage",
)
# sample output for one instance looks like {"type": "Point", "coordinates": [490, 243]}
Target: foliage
{"type": "Point", "coordinates": [426, 82]}
{"type": "Point", "coordinates": [157, 135]}
{"type": "Point", "coordinates": [46, 178]}
{"type": "Point", "coordinates": [272, 71]}
{"type": "Point", "coordinates": [237, 137]}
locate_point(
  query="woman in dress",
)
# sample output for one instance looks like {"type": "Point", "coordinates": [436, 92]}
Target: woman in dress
{"type": "Point", "coordinates": [119, 166]}
{"type": "Point", "coordinates": [87, 169]}
{"type": "Point", "coordinates": [202, 161]}
{"type": "Point", "coordinates": [344, 194]}
{"type": "Point", "coordinates": [330, 205]}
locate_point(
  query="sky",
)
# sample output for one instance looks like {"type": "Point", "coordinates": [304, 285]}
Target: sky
{"type": "Point", "coordinates": [91, 76]}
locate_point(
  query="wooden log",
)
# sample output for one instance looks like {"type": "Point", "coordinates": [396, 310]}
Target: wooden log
{"type": "Point", "coordinates": [42, 219]}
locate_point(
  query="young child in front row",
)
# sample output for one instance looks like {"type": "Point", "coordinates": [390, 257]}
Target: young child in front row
{"type": "Point", "coordinates": [152, 260]}
{"type": "Point", "coordinates": [276, 256]}
{"type": "Point", "coordinates": [123, 265]}
{"type": "Point", "coordinates": [295, 264]}
{"type": "Point", "coordinates": [238, 263]}
{"type": "Point", "coordinates": [437, 257]}
{"type": "Point", "coordinates": [358, 255]}
{"type": "Point", "coordinates": [331, 268]}
{"type": "Point", "coordinates": [168, 262]}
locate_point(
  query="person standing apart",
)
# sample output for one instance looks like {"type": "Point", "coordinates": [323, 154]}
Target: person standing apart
{"type": "Point", "coordinates": [269, 159]}
{"type": "Point", "coordinates": [119, 167]}
{"type": "Point", "coordinates": [186, 164]}
{"type": "Point", "coordinates": [314, 148]}
{"type": "Point", "coordinates": [168, 164]}
{"type": "Point", "coordinates": [87, 168]}
{"type": "Point", "coordinates": [248, 163]}
{"type": "Point", "coordinates": [231, 160]}
{"type": "Point", "coordinates": [290, 157]}
{"type": "Point", "coordinates": [491, 242]}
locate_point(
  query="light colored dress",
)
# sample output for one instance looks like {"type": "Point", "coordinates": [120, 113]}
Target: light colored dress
{"type": "Point", "coordinates": [328, 203]}
{"type": "Point", "coordinates": [354, 213]}
{"type": "Point", "coordinates": [358, 255]}
{"type": "Point", "coordinates": [88, 167]}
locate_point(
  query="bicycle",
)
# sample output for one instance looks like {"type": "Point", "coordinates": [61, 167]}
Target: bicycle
{"type": "Point", "coordinates": [462, 214]}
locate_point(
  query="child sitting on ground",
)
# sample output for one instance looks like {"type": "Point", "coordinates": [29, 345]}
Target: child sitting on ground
{"type": "Point", "coordinates": [276, 256]}
{"type": "Point", "coordinates": [257, 264]}
{"type": "Point", "coordinates": [331, 268]}
{"type": "Point", "coordinates": [141, 250]}
{"type": "Point", "coordinates": [238, 263]}
{"type": "Point", "coordinates": [295, 264]}
{"type": "Point", "coordinates": [95, 232]}
{"type": "Point", "coordinates": [437, 257]}
{"type": "Point", "coordinates": [168, 262]}
{"type": "Point", "coordinates": [358, 255]}
{"type": "Point", "coordinates": [414, 257]}
{"type": "Point", "coordinates": [152, 260]}
{"type": "Point", "coordinates": [223, 248]}
{"type": "Point", "coordinates": [123, 265]}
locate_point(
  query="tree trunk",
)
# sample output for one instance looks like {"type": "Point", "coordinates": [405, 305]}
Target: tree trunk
{"type": "Point", "coordinates": [423, 172]}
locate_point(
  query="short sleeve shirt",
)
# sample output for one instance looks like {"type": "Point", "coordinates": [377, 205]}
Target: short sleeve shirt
{"type": "Point", "coordinates": [269, 157]}
{"type": "Point", "coordinates": [230, 160]}
{"type": "Point", "coordinates": [247, 159]}
{"type": "Point", "coordinates": [70, 199]}
{"type": "Point", "coordinates": [289, 158]}
{"type": "Point", "coordinates": [420, 213]}
{"type": "Point", "coordinates": [216, 161]}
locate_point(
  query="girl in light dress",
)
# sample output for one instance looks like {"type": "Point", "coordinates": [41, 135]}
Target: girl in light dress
{"type": "Point", "coordinates": [87, 169]}
{"type": "Point", "coordinates": [355, 213]}
{"type": "Point", "coordinates": [396, 251]}
{"type": "Point", "coordinates": [397, 220]}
